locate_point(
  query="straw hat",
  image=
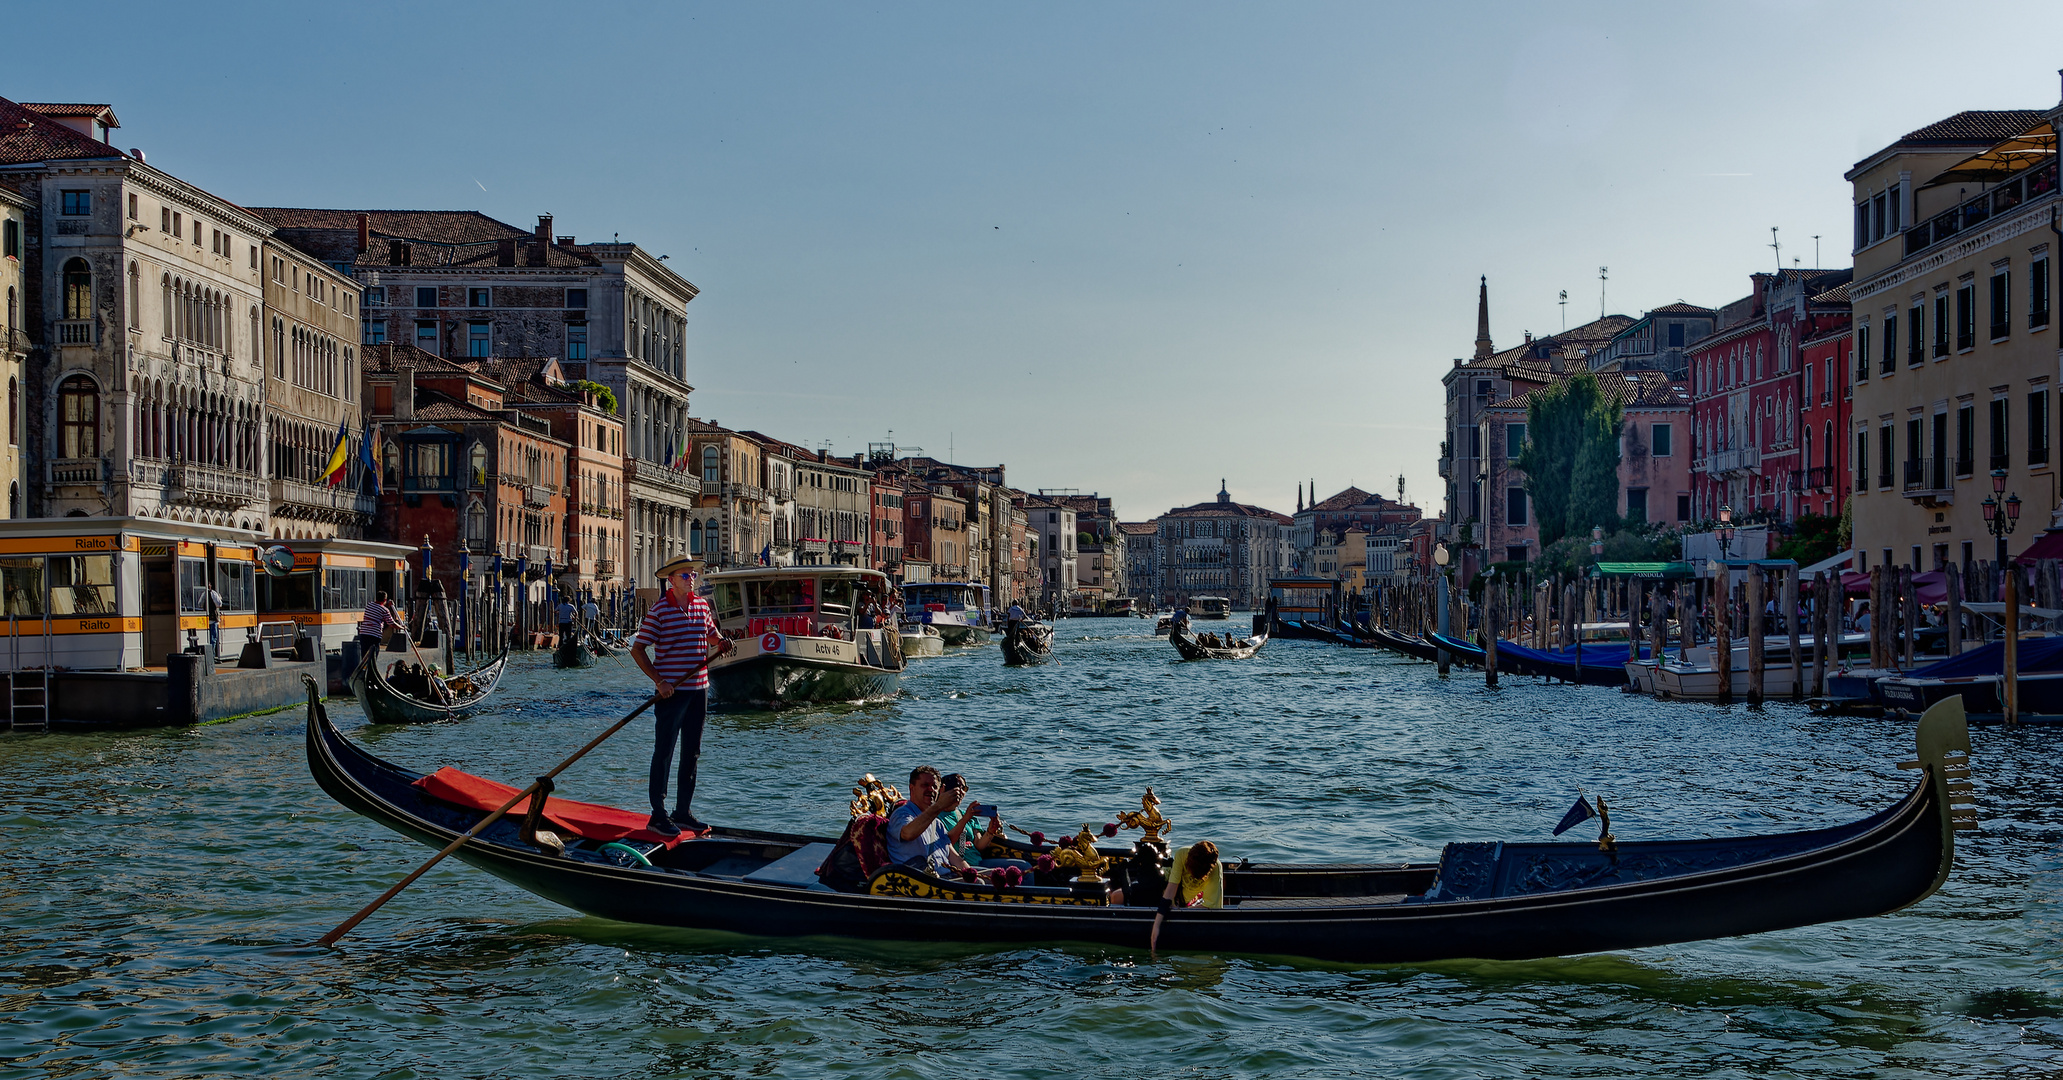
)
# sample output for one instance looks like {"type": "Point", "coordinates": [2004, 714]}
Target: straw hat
{"type": "Point", "coordinates": [685, 562]}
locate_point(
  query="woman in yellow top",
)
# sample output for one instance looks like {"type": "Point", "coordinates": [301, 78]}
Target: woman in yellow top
{"type": "Point", "coordinates": [1195, 879]}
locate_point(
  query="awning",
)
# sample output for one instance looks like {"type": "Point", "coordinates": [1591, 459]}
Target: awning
{"type": "Point", "coordinates": [1654, 571]}
{"type": "Point", "coordinates": [2024, 151]}
{"type": "Point", "coordinates": [1930, 587]}
{"type": "Point", "coordinates": [2048, 545]}
{"type": "Point", "coordinates": [1998, 607]}
{"type": "Point", "coordinates": [1842, 559]}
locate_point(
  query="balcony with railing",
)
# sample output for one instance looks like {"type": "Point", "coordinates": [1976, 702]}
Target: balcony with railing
{"type": "Point", "coordinates": [1813, 480]}
{"type": "Point", "coordinates": [77, 471]}
{"type": "Point", "coordinates": [1743, 459]}
{"type": "Point", "coordinates": [1926, 480]}
{"type": "Point", "coordinates": [320, 502]}
{"type": "Point", "coordinates": [205, 485]}
{"type": "Point", "coordinates": [76, 332]}
{"type": "Point", "coordinates": [748, 492]}
{"type": "Point", "coordinates": [605, 567]}
{"type": "Point", "coordinates": [651, 472]}
{"type": "Point", "coordinates": [538, 495]}
{"type": "Point", "coordinates": [2038, 182]}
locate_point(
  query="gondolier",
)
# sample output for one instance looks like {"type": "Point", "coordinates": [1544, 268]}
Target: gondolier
{"type": "Point", "coordinates": [372, 630]}
{"type": "Point", "coordinates": [678, 634]}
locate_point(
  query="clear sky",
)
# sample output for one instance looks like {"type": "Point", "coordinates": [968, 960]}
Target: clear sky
{"type": "Point", "coordinates": [1125, 248]}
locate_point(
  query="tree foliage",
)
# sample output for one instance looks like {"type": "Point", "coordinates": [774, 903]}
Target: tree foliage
{"type": "Point", "coordinates": [1571, 458]}
{"type": "Point", "coordinates": [604, 397]}
{"type": "Point", "coordinates": [1813, 537]}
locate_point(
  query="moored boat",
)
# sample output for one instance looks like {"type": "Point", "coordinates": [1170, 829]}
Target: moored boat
{"type": "Point", "coordinates": [1481, 900]}
{"type": "Point", "coordinates": [959, 609]}
{"type": "Point", "coordinates": [414, 694]}
{"type": "Point", "coordinates": [1210, 607]}
{"type": "Point", "coordinates": [800, 637]}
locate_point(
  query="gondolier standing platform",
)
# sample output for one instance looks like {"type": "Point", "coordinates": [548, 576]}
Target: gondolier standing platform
{"type": "Point", "coordinates": [677, 636]}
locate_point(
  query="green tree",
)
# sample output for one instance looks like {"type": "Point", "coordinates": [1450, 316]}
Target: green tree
{"type": "Point", "coordinates": [604, 397]}
{"type": "Point", "coordinates": [1571, 458]}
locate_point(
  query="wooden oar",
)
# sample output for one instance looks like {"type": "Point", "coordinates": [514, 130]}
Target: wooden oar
{"type": "Point", "coordinates": [346, 926]}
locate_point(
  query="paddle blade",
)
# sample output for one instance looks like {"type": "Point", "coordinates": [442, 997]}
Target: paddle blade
{"type": "Point", "coordinates": [1577, 815]}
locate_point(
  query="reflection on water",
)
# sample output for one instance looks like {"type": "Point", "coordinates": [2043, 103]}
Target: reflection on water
{"type": "Point", "coordinates": [159, 889]}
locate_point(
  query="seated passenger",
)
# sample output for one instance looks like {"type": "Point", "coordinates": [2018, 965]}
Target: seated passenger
{"type": "Point", "coordinates": [915, 837]}
{"type": "Point", "coordinates": [1195, 879]}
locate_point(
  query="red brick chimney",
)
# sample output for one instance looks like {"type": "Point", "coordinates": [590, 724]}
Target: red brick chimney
{"type": "Point", "coordinates": [540, 247]}
{"type": "Point", "coordinates": [364, 232]}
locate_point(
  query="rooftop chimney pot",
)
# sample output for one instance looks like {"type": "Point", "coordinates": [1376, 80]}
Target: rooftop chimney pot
{"type": "Point", "coordinates": [364, 232]}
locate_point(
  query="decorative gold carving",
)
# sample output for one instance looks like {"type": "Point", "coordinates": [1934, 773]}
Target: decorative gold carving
{"type": "Point", "coordinates": [872, 798]}
{"type": "Point", "coordinates": [1079, 853]}
{"type": "Point", "coordinates": [1147, 817]}
{"type": "Point", "coordinates": [1605, 840]}
{"type": "Point", "coordinates": [911, 886]}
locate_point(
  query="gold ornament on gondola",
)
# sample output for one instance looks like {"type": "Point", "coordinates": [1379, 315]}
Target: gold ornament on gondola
{"type": "Point", "coordinates": [872, 798]}
{"type": "Point", "coordinates": [1079, 853]}
{"type": "Point", "coordinates": [1147, 817]}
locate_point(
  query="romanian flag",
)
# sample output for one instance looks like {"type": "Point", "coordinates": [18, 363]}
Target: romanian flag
{"type": "Point", "coordinates": [333, 473]}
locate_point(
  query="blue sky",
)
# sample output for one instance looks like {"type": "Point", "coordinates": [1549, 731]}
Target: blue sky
{"type": "Point", "coordinates": [1123, 248]}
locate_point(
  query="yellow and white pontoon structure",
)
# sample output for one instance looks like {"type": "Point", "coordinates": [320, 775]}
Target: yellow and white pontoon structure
{"type": "Point", "coordinates": [108, 621]}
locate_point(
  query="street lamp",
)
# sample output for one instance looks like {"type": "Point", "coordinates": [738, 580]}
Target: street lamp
{"type": "Point", "coordinates": [1725, 532]}
{"type": "Point", "coordinates": [2000, 525]}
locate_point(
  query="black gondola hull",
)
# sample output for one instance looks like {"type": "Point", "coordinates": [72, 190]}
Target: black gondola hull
{"type": "Point", "coordinates": [1880, 864]}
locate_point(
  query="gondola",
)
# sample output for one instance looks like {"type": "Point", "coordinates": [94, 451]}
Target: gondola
{"type": "Point", "coordinates": [574, 651]}
{"type": "Point", "coordinates": [1192, 647]}
{"type": "Point", "coordinates": [1482, 900]}
{"type": "Point", "coordinates": [1027, 643]}
{"type": "Point", "coordinates": [408, 700]}
{"type": "Point", "coordinates": [1410, 645]}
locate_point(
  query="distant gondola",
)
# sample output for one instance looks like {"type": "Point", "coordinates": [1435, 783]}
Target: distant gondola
{"type": "Point", "coordinates": [411, 699]}
{"type": "Point", "coordinates": [574, 651]}
{"type": "Point", "coordinates": [1481, 900]}
{"type": "Point", "coordinates": [1027, 643]}
{"type": "Point", "coordinates": [1193, 647]}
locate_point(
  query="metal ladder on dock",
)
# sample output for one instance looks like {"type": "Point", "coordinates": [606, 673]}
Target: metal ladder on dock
{"type": "Point", "coordinates": [28, 689]}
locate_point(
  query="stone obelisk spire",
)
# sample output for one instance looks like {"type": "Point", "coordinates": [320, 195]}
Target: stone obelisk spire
{"type": "Point", "coordinates": [1483, 349]}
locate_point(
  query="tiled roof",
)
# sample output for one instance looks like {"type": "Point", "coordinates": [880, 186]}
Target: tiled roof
{"type": "Point", "coordinates": [393, 356]}
{"type": "Point", "coordinates": [1976, 125]}
{"type": "Point", "coordinates": [432, 226]}
{"type": "Point", "coordinates": [437, 408]}
{"type": "Point", "coordinates": [1836, 295]}
{"type": "Point", "coordinates": [71, 110]}
{"type": "Point", "coordinates": [1138, 528]}
{"type": "Point", "coordinates": [27, 135]}
{"type": "Point", "coordinates": [1232, 508]}
{"type": "Point", "coordinates": [1347, 499]}
{"type": "Point", "coordinates": [1651, 389]}
{"type": "Point", "coordinates": [1681, 308]}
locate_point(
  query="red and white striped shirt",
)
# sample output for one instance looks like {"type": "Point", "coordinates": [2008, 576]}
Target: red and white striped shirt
{"type": "Point", "coordinates": [679, 639]}
{"type": "Point", "coordinates": [378, 617]}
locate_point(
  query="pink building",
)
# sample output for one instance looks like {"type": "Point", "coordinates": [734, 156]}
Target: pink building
{"type": "Point", "coordinates": [1654, 462]}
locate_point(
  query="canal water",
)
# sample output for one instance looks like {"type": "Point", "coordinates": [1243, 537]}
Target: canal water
{"type": "Point", "coordinates": [157, 890]}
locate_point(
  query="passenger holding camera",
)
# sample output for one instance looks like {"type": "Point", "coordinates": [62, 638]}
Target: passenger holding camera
{"type": "Point", "coordinates": [915, 836]}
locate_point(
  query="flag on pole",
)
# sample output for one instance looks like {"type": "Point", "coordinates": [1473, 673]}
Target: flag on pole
{"type": "Point", "coordinates": [369, 459]}
{"type": "Point", "coordinates": [1577, 815]}
{"type": "Point", "coordinates": [340, 456]}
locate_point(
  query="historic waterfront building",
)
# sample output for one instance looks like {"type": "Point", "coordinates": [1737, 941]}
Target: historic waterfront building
{"type": "Point", "coordinates": [1221, 548]}
{"type": "Point", "coordinates": [1955, 357]}
{"type": "Point", "coordinates": [1491, 376]}
{"type": "Point", "coordinates": [1323, 522]}
{"type": "Point", "coordinates": [1747, 382]}
{"type": "Point", "coordinates": [595, 539]}
{"type": "Point", "coordinates": [731, 525]}
{"type": "Point", "coordinates": [1142, 558]}
{"type": "Point", "coordinates": [1654, 462]}
{"type": "Point", "coordinates": [1825, 348]}
{"type": "Point", "coordinates": [14, 340]}
{"type": "Point", "coordinates": [144, 393]}
{"type": "Point", "coordinates": [1657, 341]}
{"type": "Point", "coordinates": [310, 330]}
{"type": "Point", "coordinates": [1052, 525]}
{"type": "Point", "coordinates": [461, 285]}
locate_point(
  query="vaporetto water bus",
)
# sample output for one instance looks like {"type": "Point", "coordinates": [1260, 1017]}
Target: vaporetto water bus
{"type": "Point", "coordinates": [108, 624]}
{"type": "Point", "coordinates": [803, 635]}
{"type": "Point", "coordinates": [958, 609]}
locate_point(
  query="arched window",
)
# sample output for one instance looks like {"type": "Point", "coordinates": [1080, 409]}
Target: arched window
{"type": "Point", "coordinates": [694, 538]}
{"type": "Point", "coordinates": [479, 464]}
{"type": "Point", "coordinates": [476, 521]}
{"type": "Point", "coordinates": [78, 290]}
{"type": "Point", "coordinates": [167, 282]}
{"type": "Point", "coordinates": [135, 298]}
{"type": "Point", "coordinates": [78, 417]}
{"type": "Point", "coordinates": [709, 465]}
